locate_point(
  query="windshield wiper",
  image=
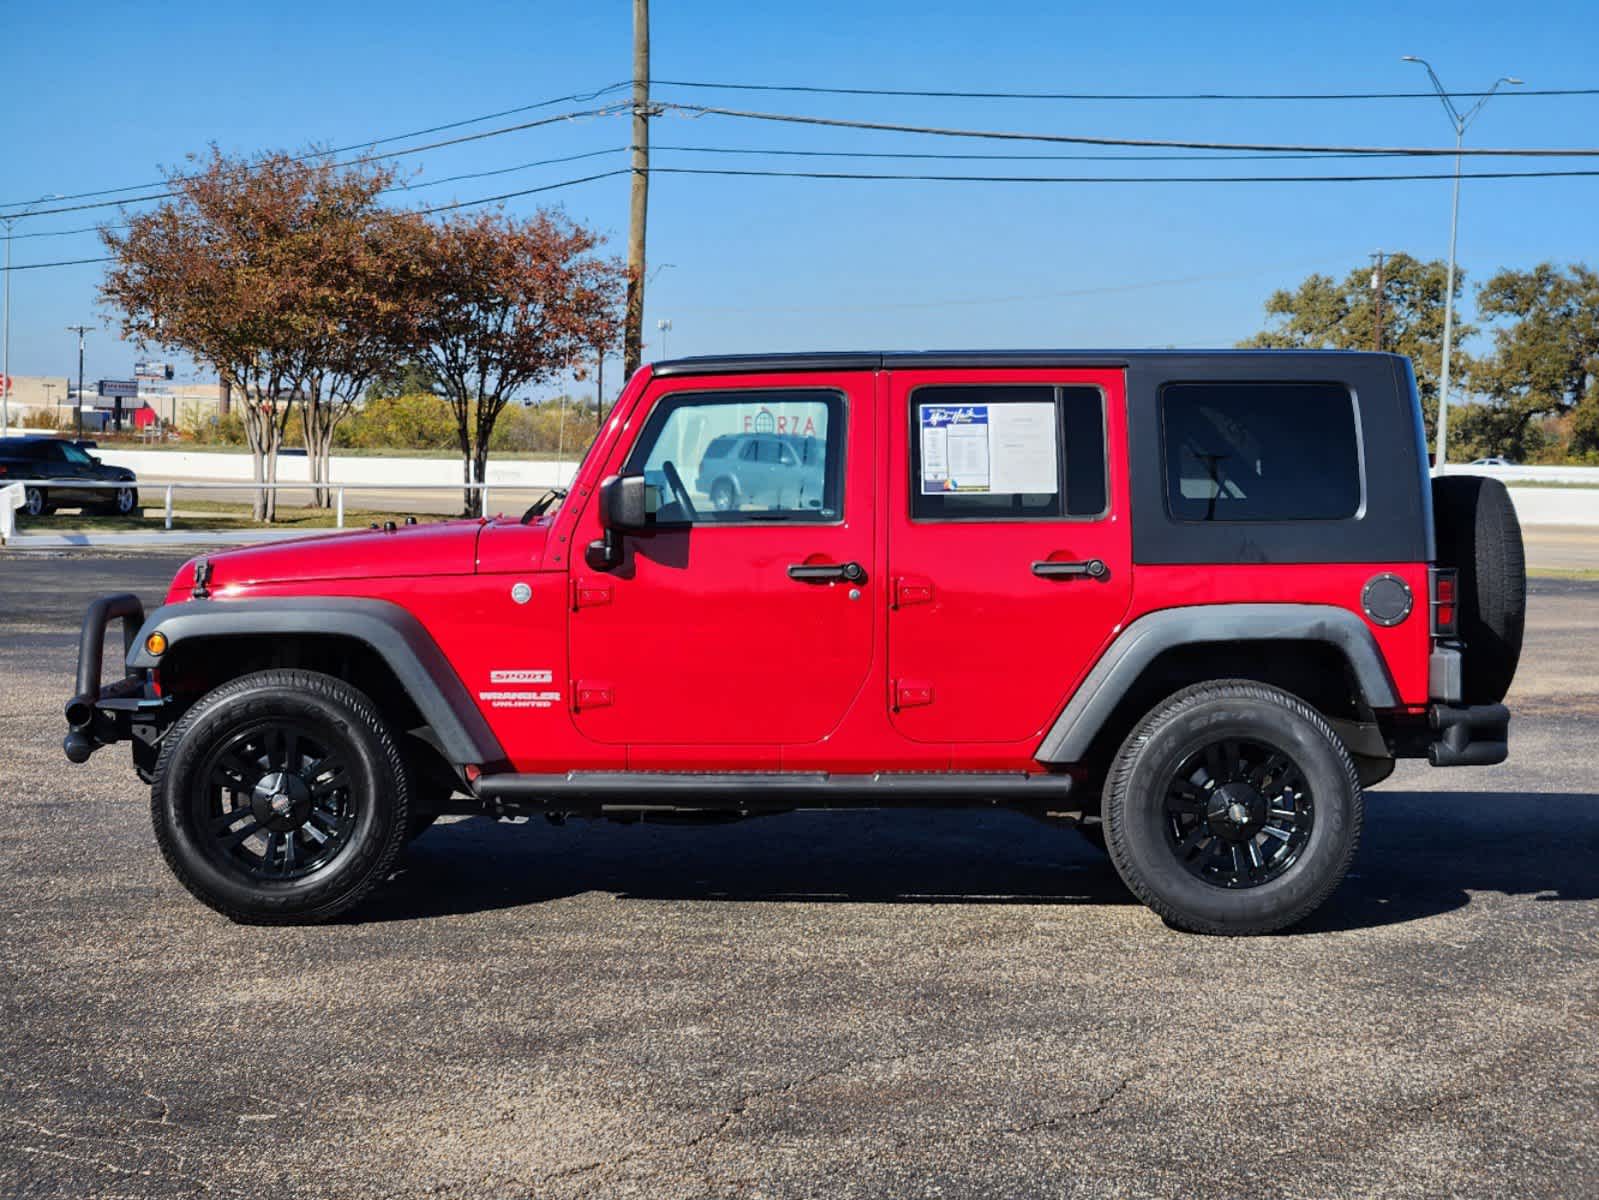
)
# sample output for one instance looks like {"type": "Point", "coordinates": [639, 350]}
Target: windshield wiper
{"type": "Point", "coordinates": [542, 505]}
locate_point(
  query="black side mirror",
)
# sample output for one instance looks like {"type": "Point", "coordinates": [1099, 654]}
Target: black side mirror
{"type": "Point", "coordinates": [625, 504]}
{"type": "Point", "coordinates": [625, 507]}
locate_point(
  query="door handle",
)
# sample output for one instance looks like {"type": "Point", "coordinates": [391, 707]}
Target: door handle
{"type": "Point", "coordinates": [847, 572]}
{"type": "Point", "coordinates": [1093, 568]}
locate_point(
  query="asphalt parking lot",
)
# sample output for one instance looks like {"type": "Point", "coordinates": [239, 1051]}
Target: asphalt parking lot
{"type": "Point", "coordinates": [831, 1005]}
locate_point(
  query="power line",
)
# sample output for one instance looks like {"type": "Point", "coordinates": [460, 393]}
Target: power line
{"type": "Point", "coordinates": [575, 98]}
{"type": "Point", "coordinates": [932, 178]}
{"type": "Point", "coordinates": [410, 187]}
{"type": "Point", "coordinates": [934, 94]}
{"type": "Point", "coordinates": [67, 262]}
{"type": "Point", "coordinates": [1388, 178]}
{"type": "Point", "coordinates": [455, 141]}
{"type": "Point", "coordinates": [882, 154]}
{"type": "Point", "coordinates": [945, 156]}
{"type": "Point", "coordinates": [1146, 143]}
{"type": "Point", "coordinates": [548, 187]}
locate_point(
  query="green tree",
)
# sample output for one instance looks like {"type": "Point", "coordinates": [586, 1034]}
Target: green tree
{"type": "Point", "coordinates": [1545, 362]}
{"type": "Point", "coordinates": [1330, 314]}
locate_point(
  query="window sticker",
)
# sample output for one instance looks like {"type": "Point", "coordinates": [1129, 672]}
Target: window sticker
{"type": "Point", "coordinates": [1006, 449]}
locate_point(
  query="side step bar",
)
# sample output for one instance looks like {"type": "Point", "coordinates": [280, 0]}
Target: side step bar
{"type": "Point", "coordinates": [742, 791]}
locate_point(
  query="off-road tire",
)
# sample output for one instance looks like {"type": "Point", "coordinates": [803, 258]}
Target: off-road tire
{"type": "Point", "coordinates": [1135, 811]}
{"type": "Point", "coordinates": [1479, 535]}
{"type": "Point", "coordinates": [380, 792]}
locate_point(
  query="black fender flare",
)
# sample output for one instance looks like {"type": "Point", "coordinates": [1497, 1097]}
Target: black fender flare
{"type": "Point", "coordinates": [396, 636]}
{"type": "Point", "coordinates": [1085, 714]}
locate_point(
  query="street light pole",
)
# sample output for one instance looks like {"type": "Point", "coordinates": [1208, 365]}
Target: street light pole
{"type": "Point", "coordinates": [1460, 121]}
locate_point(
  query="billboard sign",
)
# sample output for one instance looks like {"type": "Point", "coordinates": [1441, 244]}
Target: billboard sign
{"type": "Point", "coordinates": [125, 388]}
{"type": "Point", "coordinates": [150, 369]}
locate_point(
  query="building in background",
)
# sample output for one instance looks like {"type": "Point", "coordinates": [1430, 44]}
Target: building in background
{"type": "Point", "coordinates": [47, 401]}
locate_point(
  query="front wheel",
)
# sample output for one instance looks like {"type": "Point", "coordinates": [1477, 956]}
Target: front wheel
{"type": "Point", "coordinates": [280, 797]}
{"type": "Point", "coordinates": [123, 502]}
{"type": "Point", "coordinates": [1233, 808]}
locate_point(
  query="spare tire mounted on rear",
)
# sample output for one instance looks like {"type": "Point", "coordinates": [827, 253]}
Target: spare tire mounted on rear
{"type": "Point", "coordinates": [1479, 536]}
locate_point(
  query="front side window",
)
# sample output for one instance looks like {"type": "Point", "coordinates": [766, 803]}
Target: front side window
{"type": "Point", "coordinates": [1260, 451]}
{"type": "Point", "coordinates": [74, 454]}
{"type": "Point", "coordinates": [1007, 452]}
{"type": "Point", "coordinates": [736, 457]}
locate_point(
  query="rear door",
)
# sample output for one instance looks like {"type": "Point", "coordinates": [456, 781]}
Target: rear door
{"type": "Point", "coordinates": [1009, 551]}
{"type": "Point", "coordinates": [728, 631]}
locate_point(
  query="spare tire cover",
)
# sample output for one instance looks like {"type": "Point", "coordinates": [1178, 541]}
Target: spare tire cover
{"type": "Point", "coordinates": [1478, 535]}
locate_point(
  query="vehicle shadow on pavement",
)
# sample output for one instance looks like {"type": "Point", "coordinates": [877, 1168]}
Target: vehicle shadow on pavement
{"type": "Point", "coordinates": [1423, 854]}
{"type": "Point", "coordinates": [809, 857]}
{"type": "Point", "coordinates": [1426, 853]}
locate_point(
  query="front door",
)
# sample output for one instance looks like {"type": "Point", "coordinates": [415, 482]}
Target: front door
{"type": "Point", "coordinates": [1009, 550]}
{"type": "Point", "coordinates": [744, 619]}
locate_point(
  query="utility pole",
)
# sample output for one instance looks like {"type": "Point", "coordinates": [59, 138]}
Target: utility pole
{"type": "Point", "coordinates": [1376, 290]}
{"type": "Point", "coordinates": [80, 330]}
{"type": "Point", "coordinates": [638, 209]}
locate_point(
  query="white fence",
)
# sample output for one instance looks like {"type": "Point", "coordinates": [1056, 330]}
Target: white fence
{"type": "Point", "coordinates": [345, 469]}
{"type": "Point", "coordinates": [13, 499]}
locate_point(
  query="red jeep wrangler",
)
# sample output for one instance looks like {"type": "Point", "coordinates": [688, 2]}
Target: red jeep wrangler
{"type": "Point", "coordinates": [1202, 598]}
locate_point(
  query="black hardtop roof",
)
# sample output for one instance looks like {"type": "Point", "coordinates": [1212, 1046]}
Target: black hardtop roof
{"type": "Point", "coordinates": [890, 360]}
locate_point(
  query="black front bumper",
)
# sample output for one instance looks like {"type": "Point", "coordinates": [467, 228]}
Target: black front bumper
{"type": "Point", "coordinates": [122, 711]}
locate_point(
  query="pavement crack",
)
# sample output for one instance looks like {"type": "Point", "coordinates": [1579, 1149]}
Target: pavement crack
{"type": "Point", "coordinates": [1093, 1110]}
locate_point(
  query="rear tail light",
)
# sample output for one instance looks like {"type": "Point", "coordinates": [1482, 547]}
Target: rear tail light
{"type": "Point", "coordinates": [1445, 602]}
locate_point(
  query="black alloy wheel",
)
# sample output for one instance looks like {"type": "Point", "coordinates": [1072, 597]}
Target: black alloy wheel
{"type": "Point", "coordinates": [279, 800]}
{"type": "Point", "coordinates": [1233, 808]}
{"type": "Point", "coordinates": [1238, 813]}
{"type": "Point", "coordinates": [281, 797]}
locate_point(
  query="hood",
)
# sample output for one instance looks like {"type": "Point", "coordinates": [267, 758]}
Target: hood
{"type": "Point", "coordinates": [444, 548]}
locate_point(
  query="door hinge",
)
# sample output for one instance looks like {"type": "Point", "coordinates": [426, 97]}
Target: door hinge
{"type": "Point", "coordinates": [587, 694]}
{"type": "Point", "coordinates": [589, 594]}
{"type": "Point", "coordinates": [910, 590]}
{"type": "Point", "coordinates": [911, 694]}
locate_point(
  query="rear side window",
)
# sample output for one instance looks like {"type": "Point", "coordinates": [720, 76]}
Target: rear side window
{"type": "Point", "coordinates": [1001, 452]}
{"type": "Point", "coordinates": [1260, 451]}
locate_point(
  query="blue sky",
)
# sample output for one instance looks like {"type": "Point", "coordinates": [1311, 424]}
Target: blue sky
{"type": "Point", "coordinates": [100, 95]}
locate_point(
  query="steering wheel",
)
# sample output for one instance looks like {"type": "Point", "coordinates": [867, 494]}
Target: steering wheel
{"type": "Point", "coordinates": [679, 492]}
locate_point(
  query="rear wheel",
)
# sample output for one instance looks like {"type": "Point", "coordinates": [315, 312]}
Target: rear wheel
{"type": "Point", "coordinates": [723, 497]}
{"type": "Point", "coordinates": [1233, 808]}
{"type": "Point", "coordinates": [281, 797]}
{"type": "Point", "coordinates": [36, 502]}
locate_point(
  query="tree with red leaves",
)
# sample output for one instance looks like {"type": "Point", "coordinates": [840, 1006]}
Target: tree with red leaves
{"type": "Point", "coordinates": [502, 304]}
